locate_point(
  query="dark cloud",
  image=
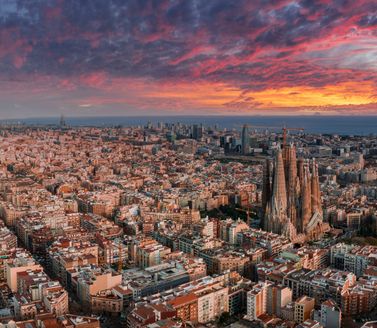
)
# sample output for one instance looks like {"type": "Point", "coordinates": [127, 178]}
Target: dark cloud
{"type": "Point", "coordinates": [251, 44]}
{"type": "Point", "coordinates": [368, 20]}
{"type": "Point", "coordinates": [71, 35]}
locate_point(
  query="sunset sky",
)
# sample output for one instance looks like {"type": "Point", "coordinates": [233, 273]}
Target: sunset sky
{"type": "Point", "coordinates": [165, 57]}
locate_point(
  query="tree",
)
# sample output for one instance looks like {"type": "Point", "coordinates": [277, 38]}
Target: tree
{"type": "Point", "coordinates": [224, 318]}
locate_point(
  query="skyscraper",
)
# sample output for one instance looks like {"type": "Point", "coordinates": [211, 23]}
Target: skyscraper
{"type": "Point", "coordinates": [197, 132]}
{"type": "Point", "coordinates": [245, 140]}
{"type": "Point", "coordinates": [62, 122]}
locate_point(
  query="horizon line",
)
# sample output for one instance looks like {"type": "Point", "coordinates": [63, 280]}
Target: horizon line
{"type": "Point", "coordinates": [186, 115]}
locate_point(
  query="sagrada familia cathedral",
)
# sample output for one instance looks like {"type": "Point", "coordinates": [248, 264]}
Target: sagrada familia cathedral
{"type": "Point", "coordinates": [292, 197]}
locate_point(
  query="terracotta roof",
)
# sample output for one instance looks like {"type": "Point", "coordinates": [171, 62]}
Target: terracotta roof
{"type": "Point", "coordinates": [182, 300]}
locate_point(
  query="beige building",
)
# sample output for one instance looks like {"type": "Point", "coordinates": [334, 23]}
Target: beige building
{"type": "Point", "coordinates": [22, 262]}
{"type": "Point", "coordinates": [267, 298]}
{"type": "Point", "coordinates": [277, 297]}
{"type": "Point", "coordinates": [66, 255]}
{"type": "Point", "coordinates": [256, 301]}
{"type": "Point", "coordinates": [8, 240]}
{"type": "Point", "coordinates": [92, 282]}
{"type": "Point", "coordinates": [147, 252]}
{"type": "Point", "coordinates": [107, 302]}
{"type": "Point", "coordinates": [55, 298]}
{"type": "Point", "coordinates": [230, 228]}
{"type": "Point", "coordinates": [303, 308]}
{"type": "Point", "coordinates": [212, 303]}
{"type": "Point", "coordinates": [24, 307]}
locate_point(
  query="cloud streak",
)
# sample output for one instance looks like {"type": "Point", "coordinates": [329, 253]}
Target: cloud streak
{"type": "Point", "coordinates": [248, 56]}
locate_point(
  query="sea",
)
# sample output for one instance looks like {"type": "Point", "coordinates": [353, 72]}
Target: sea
{"type": "Point", "coordinates": [342, 125]}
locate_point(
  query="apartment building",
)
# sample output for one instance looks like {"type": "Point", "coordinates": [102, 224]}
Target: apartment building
{"type": "Point", "coordinates": [303, 309]}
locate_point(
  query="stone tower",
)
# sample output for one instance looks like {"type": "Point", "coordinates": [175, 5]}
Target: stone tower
{"type": "Point", "coordinates": [291, 198]}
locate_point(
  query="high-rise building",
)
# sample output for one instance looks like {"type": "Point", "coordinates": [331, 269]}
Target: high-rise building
{"type": "Point", "coordinates": [197, 132]}
{"type": "Point", "coordinates": [245, 140]}
{"type": "Point", "coordinates": [62, 122]}
{"type": "Point", "coordinates": [291, 197]}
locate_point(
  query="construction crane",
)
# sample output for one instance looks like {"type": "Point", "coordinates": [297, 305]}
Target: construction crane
{"type": "Point", "coordinates": [247, 211]}
{"type": "Point", "coordinates": [285, 130]}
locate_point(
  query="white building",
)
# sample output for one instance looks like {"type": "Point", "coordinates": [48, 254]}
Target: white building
{"type": "Point", "coordinates": [330, 315]}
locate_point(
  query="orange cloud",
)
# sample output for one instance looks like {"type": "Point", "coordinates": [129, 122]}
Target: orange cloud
{"type": "Point", "coordinates": [218, 96]}
{"type": "Point", "coordinates": [347, 93]}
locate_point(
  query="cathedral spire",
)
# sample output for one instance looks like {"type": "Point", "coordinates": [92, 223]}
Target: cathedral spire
{"type": "Point", "coordinates": [291, 181]}
{"type": "Point", "coordinates": [267, 186]}
{"type": "Point", "coordinates": [279, 191]}
{"type": "Point", "coordinates": [316, 193]}
{"type": "Point", "coordinates": [278, 210]}
{"type": "Point", "coordinates": [306, 205]}
{"type": "Point", "coordinates": [267, 176]}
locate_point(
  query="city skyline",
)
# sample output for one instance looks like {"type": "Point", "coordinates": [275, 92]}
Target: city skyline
{"type": "Point", "coordinates": [185, 224]}
{"type": "Point", "coordinates": [164, 57]}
